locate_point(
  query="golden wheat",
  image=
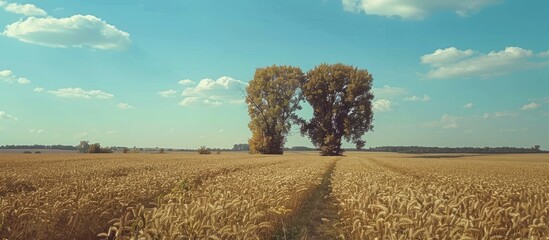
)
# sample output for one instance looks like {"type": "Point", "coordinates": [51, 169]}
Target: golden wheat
{"type": "Point", "coordinates": [241, 196]}
{"type": "Point", "coordinates": [394, 196]}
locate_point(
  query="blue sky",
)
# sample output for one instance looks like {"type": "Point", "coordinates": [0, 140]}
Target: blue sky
{"type": "Point", "coordinates": [171, 73]}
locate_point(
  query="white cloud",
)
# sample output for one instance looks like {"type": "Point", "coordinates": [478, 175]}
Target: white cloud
{"type": "Point", "coordinates": [448, 55]}
{"type": "Point", "coordinates": [38, 89]}
{"type": "Point", "coordinates": [531, 106]}
{"type": "Point", "coordinates": [212, 102]}
{"type": "Point", "coordinates": [124, 106]}
{"type": "Point", "coordinates": [414, 9]}
{"type": "Point", "coordinates": [468, 105]}
{"type": "Point", "coordinates": [446, 122]}
{"type": "Point", "coordinates": [499, 115]}
{"type": "Point", "coordinates": [186, 82]}
{"type": "Point", "coordinates": [543, 54]}
{"type": "Point", "coordinates": [9, 77]}
{"type": "Point", "coordinates": [425, 98]}
{"type": "Point", "coordinates": [215, 92]}
{"type": "Point", "coordinates": [188, 101]}
{"type": "Point", "coordinates": [167, 93]}
{"type": "Point", "coordinates": [23, 9]}
{"type": "Point", "coordinates": [81, 93]}
{"type": "Point", "coordinates": [388, 92]}
{"type": "Point", "coordinates": [74, 31]}
{"type": "Point", "coordinates": [382, 105]}
{"type": "Point", "coordinates": [4, 115]}
{"type": "Point", "coordinates": [37, 131]}
{"type": "Point", "coordinates": [455, 63]}
{"type": "Point", "coordinates": [23, 81]}
{"type": "Point", "coordinates": [6, 73]}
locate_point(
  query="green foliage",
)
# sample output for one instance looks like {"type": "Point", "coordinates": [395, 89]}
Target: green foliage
{"type": "Point", "coordinates": [125, 150]}
{"type": "Point", "coordinates": [204, 150]}
{"type": "Point", "coordinates": [272, 98]}
{"type": "Point", "coordinates": [360, 144]}
{"type": "Point", "coordinates": [161, 151]}
{"type": "Point", "coordinates": [341, 98]}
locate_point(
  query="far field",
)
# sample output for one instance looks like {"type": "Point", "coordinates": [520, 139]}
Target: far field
{"type": "Point", "coordinates": [293, 196]}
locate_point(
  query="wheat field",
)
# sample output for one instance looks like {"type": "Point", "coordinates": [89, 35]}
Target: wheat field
{"type": "Point", "coordinates": [298, 195]}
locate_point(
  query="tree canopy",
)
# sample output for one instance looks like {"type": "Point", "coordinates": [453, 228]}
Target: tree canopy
{"type": "Point", "coordinates": [272, 98]}
{"type": "Point", "coordinates": [341, 98]}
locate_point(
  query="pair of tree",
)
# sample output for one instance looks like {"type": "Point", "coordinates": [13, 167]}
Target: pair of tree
{"type": "Point", "coordinates": [339, 94]}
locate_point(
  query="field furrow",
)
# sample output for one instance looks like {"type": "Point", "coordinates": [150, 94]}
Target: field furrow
{"type": "Point", "coordinates": [247, 204]}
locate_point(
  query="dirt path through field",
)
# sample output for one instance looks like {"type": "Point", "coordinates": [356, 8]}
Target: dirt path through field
{"type": "Point", "coordinates": [318, 215]}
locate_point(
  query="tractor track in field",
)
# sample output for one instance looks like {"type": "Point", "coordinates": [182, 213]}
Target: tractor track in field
{"type": "Point", "coordinates": [317, 217]}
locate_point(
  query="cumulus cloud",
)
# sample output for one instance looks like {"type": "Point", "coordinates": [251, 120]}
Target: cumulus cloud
{"type": "Point", "coordinates": [502, 114]}
{"type": "Point", "coordinates": [414, 9]}
{"type": "Point", "coordinates": [468, 105]}
{"type": "Point", "coordinates": [37, 131]}
{"type": "Point", "coordinates": [455, 63]}
{"type": "Point", "coordinates": [6, 116]}
{"type": "Point", "coordinates": [167, 93]}
{"type": "Point", "coordinates": [186, 82]}
{"type": "Point", "coordinates": [23, 9]}
{"type": "Point", "coordinates": [74, 31]}
{"type": "Point", "coordinates": [425, 98]}
{"type": "Point", "coordinates": [382, 105]}
{"type": "Point", "coordinates": [9, 77]}
{"type": "Point", "coordinates": [23, 81]}
{"type": "Point", "coordinates": [530, 106]}
{"type": "Point", "coordinates": [124, 106]}
{"type": "Point", "coordinates": [389, 92]}
{"type": "Point", "coordinates": [214, 92]}
{"type": "Point", "coordinates": [543, 54]}
{"type": "Point", "coordinates": [81, 93]}
{"type": "Point", "coordinates": [448, 55]}
{"type": "Point", "coordinates": [446, 122]}
{"type": "Point", "coordinates": [188, 101]}
{"type": "Point", "coordinates": [38, 89]}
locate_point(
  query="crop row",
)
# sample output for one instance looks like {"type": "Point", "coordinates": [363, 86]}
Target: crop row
{"type": "Point", "coordinates": [418, 198]}
{"type": "Point", "coordinates": [75, 196]}
{"type": "Point", "coordinates": [247, 204]}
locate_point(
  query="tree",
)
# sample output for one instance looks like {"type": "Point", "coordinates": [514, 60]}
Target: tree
{"type": "Point", "coordinates": [84, 146]}
{"type": "Point", "coordinates": [204, 150]}
{"type": "Point", "coordinates": [360, 144]}
{"type": "Point", "coordinates": [241, 147]}
{"type": "Point", "coordinates": [94, 148]}
{"type": "Point", "coordinates": [273, 98]}
{"type": "Point", "coordinates": [341, 98]}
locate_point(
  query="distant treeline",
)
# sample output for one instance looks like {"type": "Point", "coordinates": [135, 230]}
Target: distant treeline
{"type": "Point", "coordinates": [36, 146]}
{"type": "Point", "coordinates": [416, 149]}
